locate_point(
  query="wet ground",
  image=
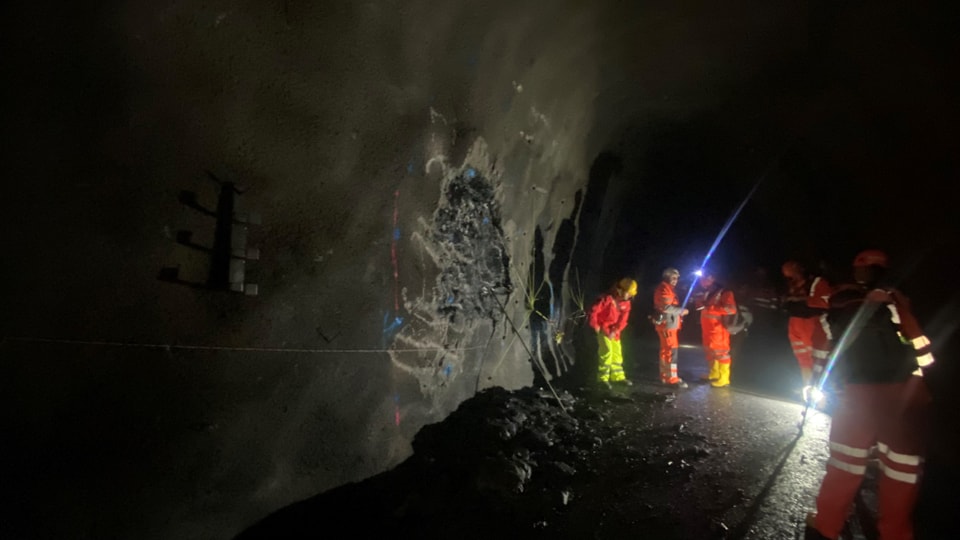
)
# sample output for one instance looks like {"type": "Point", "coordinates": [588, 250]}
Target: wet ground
{"type": "Point", "coordinates": [636, 462]}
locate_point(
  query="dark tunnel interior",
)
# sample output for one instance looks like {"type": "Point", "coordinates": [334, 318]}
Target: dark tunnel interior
{"type": "Point", "coordinates": [260, 253]}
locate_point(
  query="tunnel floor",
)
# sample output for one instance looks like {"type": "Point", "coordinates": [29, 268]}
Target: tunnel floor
{"type": "Point", "coordinates": [642, 461]}
{"type": "Point", "coordinates": [698, 463]}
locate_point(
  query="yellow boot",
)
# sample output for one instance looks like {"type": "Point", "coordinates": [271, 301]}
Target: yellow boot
{"type": "Point", "coordinates": [723, 378]}
{"type": "Point", "coordinates": [714, 371]}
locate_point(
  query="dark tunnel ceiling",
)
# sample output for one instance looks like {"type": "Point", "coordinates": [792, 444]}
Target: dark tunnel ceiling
{"type": "Point", "coordinates": [853, 133]}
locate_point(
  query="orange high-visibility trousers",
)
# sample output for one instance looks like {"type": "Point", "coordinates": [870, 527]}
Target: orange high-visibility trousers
{"type": "Point", "coordinates": [716, 340]}
{"type": "Point", "coordinates": [669, 345]}
{"type": "Point", "coordinates": [800, 330]}
{"type": "Point", "coordinates": [893, 417]}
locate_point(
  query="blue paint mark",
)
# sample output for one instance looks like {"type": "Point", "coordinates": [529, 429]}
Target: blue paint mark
{"type": "Point", "coordinates": [471, 173]}
{"type": "Point", "coordinates": [390, 329]}
{"type": "Point", "coordinates": [410, 166]}
{"type": "Point", "coordinates": [486, 220]}
{"type": "Point", "coordinates": [447, 370]}
{"type": "Point", "coordinates": [396, 233]}
{"type": "Point", "coordinates": [450, 299]}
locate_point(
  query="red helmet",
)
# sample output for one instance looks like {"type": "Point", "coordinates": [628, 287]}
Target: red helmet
{"type": "Point", "coordinates": [871, 257]}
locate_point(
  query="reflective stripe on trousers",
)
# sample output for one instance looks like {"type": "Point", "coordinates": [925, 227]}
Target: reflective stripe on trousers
{"type": "Point", "coordinates": [668, 353]}
{"type": "Point", "coordinates": [893, 417]}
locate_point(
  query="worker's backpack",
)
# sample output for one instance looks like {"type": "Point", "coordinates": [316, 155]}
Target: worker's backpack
{"type": "Point", "coordinates": [739, 321]}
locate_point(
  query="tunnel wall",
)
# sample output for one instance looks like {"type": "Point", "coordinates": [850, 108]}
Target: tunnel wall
{"type": "Point", "coordinates": [402, 156]}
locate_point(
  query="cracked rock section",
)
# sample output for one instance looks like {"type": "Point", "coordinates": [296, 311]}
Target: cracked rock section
{"type": "Point", "coordinates": [470, 250]}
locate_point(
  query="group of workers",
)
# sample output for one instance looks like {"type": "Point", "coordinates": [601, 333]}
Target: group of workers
{"type": "Point", "coordinates": [716, 304]}
{"type": "Point", "coordinates": [862, 335]}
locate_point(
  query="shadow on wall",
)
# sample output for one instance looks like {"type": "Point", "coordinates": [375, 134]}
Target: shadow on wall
{"type": "Point", "coordinates": [541, 318]}
{"type": "Point", "coordinates": [592, 240]}
{"type": "Point", "coordinates": [565, 311]}
{"type": "Point", "coordinates": [579, 248]}
{"type": "Point", "coordinates": [562, 347]}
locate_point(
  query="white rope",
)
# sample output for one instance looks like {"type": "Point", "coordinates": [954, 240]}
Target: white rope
{"type": "Point", "coordinates": [232, 349]}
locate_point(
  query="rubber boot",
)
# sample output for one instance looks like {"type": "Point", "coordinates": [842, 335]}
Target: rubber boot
{"type": "Point", "coordinates": [723, 378]}
{"type": "Point", "coordinates": [714, 371]}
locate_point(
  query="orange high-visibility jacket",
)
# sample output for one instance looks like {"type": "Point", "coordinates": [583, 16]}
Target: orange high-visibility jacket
{"type": "Point", "coordinates": [717, 304]}
{"type": "Point", "coordinates": [817, 295]}
{"type": "Point", "coordinates": [665, 301]}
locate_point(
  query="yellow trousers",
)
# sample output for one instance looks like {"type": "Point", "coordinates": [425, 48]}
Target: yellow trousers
{"type": "Point", "coordinates": [611, 359]}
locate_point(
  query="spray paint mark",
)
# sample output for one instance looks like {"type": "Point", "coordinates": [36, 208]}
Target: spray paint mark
{"type": "Point", "coordinates": [396, 409]}
{"type": "Point", "coordinates": [436, 116]}
{"type": "Point", "coordinates": [393, 251]}
{"type": "Point", "coordinates": [448, 370]}
{"type": "Point", "coordinates": [539, 117]}
{"type": "Point", "coordinates": [391, 327]}
{"type": "Point", "coordinates": [466, 244]}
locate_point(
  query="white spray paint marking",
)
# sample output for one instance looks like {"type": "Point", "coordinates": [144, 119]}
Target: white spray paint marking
{"type": "Point", "coordinates": [436, 154]}
{"type": "Point", "coordinates": [539, 117]}
{"type": "Point", "coordinates": [439, 160]}
{"type": "Point", "coordinates": [426, 324]}
{"type": "Point", "coordinates": [434, 116]}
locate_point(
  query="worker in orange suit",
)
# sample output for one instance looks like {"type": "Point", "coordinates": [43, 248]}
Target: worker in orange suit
{"type": "Point", "coordinates": [807, 302]}
{"type": "Point", "coordinates": [608, 318]}
{"type": "Point", "coordinates": [669, 315]}
{"type": "Point", "coordinates": [881, 354]}
{"type": "Point", "coordinates": [715, 303]}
